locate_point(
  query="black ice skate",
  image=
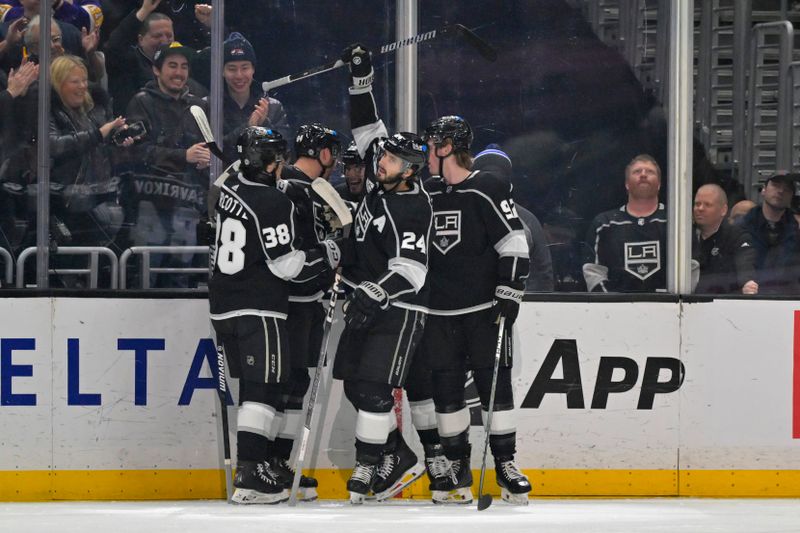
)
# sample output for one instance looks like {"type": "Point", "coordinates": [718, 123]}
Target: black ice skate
{"type": "Point", "coordinates": [460, 490]}
{"type": "Point", "coordinates": [438, 468]}
{"type": "Point", "coordinates": [360, 482]}
{"type": "Point", "coordinates": [513, 483]}
{"type": "Point", "coordinates": [396, 471]}
{"type": "Point", "coordinates": [307, 491]}
{"type": "Point", "coordinates": [257, 483]}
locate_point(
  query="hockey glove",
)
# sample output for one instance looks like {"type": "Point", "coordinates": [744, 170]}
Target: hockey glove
{"type": "Point", "coordinates": [364, 305]}
{"type": "Point", "coordinates": [506, 303]}
{"type": "Point", "coordinates": [358, 59]}
{"type": "Point", "coordinates": [205, 232]}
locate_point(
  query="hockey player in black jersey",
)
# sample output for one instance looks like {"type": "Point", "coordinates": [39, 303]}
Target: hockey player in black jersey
{"type": "Point", "coordinates": [629, 244]}
{"type": "Point", "coordinates": [385, 264]}
{"type": "Point", "coordinates": [255, 257]}
{"type": "Point", "coordinates": [317, 149]}
{"type": "Point", "coordinates": [353, 188]}
{"type": "Point", "coordinates": [478, 266]}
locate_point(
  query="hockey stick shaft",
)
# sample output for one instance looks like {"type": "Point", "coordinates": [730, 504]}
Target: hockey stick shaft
{"type": "Point", "coordinates": [484, 48]}
{"type": "Point", "coordinates": [312, 399]}
{"type": "Point", "coordinates": [222, 393]}
{"type": "Point", "coordinates": [205, 130]}
{"type": "Point", "coordinates": [485, 500]}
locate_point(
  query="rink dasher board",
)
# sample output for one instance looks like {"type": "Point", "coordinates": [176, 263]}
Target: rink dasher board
{"type": "Point", "coordinates": [94, 408]}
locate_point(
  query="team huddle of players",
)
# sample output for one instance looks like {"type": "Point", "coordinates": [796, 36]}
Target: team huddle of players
{"type": "Point", "coordinates": [429, 271]}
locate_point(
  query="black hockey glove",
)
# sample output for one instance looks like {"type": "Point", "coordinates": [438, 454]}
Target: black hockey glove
{"type": "Point", "coordinates": [506, 303]}
{"type": "Point", "coordinates": [331, 253]}
{"type": "Point", "coordinates": [358, 59]}
{"type": "Point", "coordinates": [205, 232]}
{"type": "Point", "coordinates": [364, 305]}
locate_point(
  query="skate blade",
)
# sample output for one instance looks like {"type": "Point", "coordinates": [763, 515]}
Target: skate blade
{"type": "Point", "coordinates": [357, 498]}
{"type": "Point", "coordinates": [514, 499]}
{"type": "Point", "coordinates": [409, 477]}
{"type": "Point", "coordinates": [254, 497]}
{"type": "Point", "coordinates": [460, 496]}
{"type": "Point", "coordinates": [307, 494]}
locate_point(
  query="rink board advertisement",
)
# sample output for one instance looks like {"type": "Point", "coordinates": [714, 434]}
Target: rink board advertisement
{"type": "Point", "coordinates": [116, 399]}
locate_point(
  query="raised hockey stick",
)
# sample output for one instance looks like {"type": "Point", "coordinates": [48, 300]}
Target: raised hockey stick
{"type": "Point", "coordinates": [222, 393]}
{"type": "Point", "coordinates": [485, 500]}
{"type": "Point", "coordinates": [328, 194]}
{"type": "Point", "coordinates": [454, 30]}
{"type": "Point", "coordinates": [205, 130]}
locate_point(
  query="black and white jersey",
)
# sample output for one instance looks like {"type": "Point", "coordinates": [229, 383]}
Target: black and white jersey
{"type": "Point", "coordinates": [391, 230]}
{"type": "Point", "coordinates": [255, 253]}
{"type": "Point", "coordinates": [310, 229]}
{"type": "Point", "coordinates": [633, 249]}
{"type": "Point", "coordinates": [478, 243]}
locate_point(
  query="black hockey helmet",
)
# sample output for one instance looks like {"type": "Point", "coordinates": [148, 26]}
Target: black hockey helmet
{"type": "Point", "coordinates": [258, 147]}
{"type": "Point", "coordinates": [450, 127]}
{"type": "Point", "coordinates": [351, 156]}
{"type": "Point", "coordinates": [311, 139]}
{"type": "Point", "coordinates": [410, 148]}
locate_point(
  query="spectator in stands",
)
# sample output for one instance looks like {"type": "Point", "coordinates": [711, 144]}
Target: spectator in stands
{"type": "Point", "coordinates": [12, 198]}
{"type": "Point", "coordinates": [95, 62]}
{"type": "Point", "coordinates": [80, 135]}
{"type": "Point", "coordinates": [540, 279]}
{"type": "Point", "coordinates": [243, 101]}
{"type": "Point", "coordinates": [167, 192]}
{"type": "Point", "coordinates": [629, 243]}
{"type": "Point", "coordinates": [740, 209]}
{"type": "Point", "coordinates": [724, 252]}
{"type": "Point", "coordinates": [131, 48]}
{"type": "Point", "coordinates": [83, 14]}
{"type": "Point", "coordinates": [775, 236]}
{"type": "Point", "coordinates": [69, 36]}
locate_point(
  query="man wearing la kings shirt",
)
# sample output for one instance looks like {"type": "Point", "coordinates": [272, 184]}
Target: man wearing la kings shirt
{"type": "Point", "coordinates": [255, 257]}
{"type": "Point", "coordinates": [479, 263]}
{"type": "Point", "coordinates": [385, 263]}
{"type": "Point", "coordinates": [317, 149]}
{"type": "Point", "coordinates": [629, 244]}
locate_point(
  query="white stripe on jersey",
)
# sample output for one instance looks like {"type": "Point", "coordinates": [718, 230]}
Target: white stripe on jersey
{"type": "Point", "coordinates": [248, 312]}
{"type": "Point", "coordinates": [288, 265]}
{"type": "Point", "coordinates": [514, 244]}
{"type": "Point", "coordinates": [413, 271]}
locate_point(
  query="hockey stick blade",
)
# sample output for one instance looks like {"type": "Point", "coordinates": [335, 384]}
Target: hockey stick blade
{"type": "Point", "coordinates": [483, 48]}
{"type": "Point", "coordinates": [329, 195]}
{"type": "Point", "coordinates": [205, 129]}
{"type": "Point", "coordinates": [484, 502]}
{"type": "Point", "coordinates": [486, 50]}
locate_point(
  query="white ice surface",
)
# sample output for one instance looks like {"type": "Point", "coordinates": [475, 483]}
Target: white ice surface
{"type": "Point", "coordinates": [558, 516]}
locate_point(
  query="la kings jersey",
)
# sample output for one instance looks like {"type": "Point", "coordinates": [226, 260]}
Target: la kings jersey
{"type": "Point", "coordinates": [255, 252]}
{"type": "Point", "coordinates": [478, 243]}
{"type": "Point", "coordinates": [633, 249]}
{"type": "Point", "coordinates": [310, 228]}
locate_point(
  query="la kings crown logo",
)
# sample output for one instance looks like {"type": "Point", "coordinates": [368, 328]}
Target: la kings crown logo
{"type": "Point", "coordinates": [448, 230]}
{"type": "Point", "coordinates": [363, 218]}
{"type": "Point", "coordinates": [642, 259]}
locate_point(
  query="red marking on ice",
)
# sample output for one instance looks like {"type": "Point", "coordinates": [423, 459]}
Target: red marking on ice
{"type": "Point", "coordinates": [796, 393]}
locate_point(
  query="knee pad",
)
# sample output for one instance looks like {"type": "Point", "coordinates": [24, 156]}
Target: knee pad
{"type": "Point", "coordinates": [419, 386]}
{"type": "Point", "coordinates": [270, 394]}
{"type": "Point", "coordinates": [504, 393]}
{"type": "Point", "coordinates": [295, 389]}
{"type": "Point", "coordinates": [448, 390]}
{"type": "Point", "coordinates": [373, 397]}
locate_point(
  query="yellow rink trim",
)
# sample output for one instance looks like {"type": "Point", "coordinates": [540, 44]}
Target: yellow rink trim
{"type": "Point", "coordinates": [44, 485]}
